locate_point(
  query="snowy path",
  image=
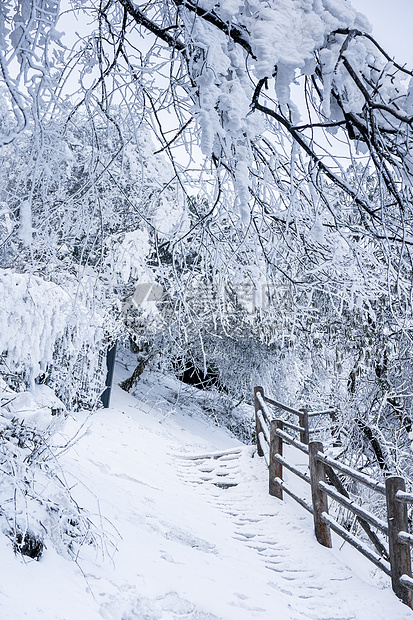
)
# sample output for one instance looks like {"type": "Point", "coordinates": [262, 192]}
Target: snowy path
{"type": "Point", "coordinates": [191, 532]}
{"type": "Point", "coordinates": [316, 584]}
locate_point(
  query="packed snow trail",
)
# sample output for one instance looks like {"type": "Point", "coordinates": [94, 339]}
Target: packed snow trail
{"type": "Point", "coordinates": [188, 530]}
{"type": "Point", "coordinates": [283, 540]}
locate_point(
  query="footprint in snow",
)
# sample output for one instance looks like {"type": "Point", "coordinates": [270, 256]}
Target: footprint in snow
{"type": "Point", "coordinates": [177, 605]}
{"type": "Point", "coordinates": [177, 535]}
{"type": "Point", "coordinates": [170, 606]}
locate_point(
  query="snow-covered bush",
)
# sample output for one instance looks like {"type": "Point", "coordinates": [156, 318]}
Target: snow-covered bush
{"type": "Point", "coordinates": [36, 505]}
{"type": "Point", "coordinates": [49, 335]}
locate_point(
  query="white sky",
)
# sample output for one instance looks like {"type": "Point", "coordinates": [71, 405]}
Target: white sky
{"type": "Point", "coordinates": [392, 22]}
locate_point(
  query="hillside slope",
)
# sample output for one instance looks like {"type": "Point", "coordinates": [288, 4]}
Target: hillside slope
{"type": "Point", "coordinates": [189, 530]}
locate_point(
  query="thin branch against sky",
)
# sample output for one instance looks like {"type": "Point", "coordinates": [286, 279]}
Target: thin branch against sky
{"type": "Point", "coordinates": [392, 25]}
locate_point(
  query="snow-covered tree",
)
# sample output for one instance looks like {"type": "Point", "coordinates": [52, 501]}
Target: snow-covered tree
{"type": "Point", "coordinates": [260, 107]}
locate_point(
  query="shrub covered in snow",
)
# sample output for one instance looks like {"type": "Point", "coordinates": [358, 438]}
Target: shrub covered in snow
{"type": "Point", "coordinates": [36, 505]}
{"type": "Point", "coordinates": [49, 334]}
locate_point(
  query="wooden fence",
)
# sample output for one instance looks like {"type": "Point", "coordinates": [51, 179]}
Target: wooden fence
{"type": "Point", "coordinates": [392, 556]}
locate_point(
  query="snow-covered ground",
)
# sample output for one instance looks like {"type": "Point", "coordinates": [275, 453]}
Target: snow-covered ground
{"type": "Point", "coordinates": [190, 530]}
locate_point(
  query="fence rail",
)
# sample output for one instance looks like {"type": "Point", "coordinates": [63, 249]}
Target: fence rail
{"type": "Point", "coordinates": [395, 559]}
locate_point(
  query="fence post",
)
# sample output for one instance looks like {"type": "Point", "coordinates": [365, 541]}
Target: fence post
{"type": "Point", "coordinates": [319, 497]}
{"type": "Point", "coordinates": [400, 560]}
{"type": "Point", "coordinates": [258, 427]}
{"type": "Point", "coordinates": [275, 469]}
{"type": "Point", "coordinates": [303, 421]}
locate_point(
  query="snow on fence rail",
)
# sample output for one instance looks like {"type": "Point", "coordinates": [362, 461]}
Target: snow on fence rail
{"type": "Point", "coordinates": [395, 559]}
